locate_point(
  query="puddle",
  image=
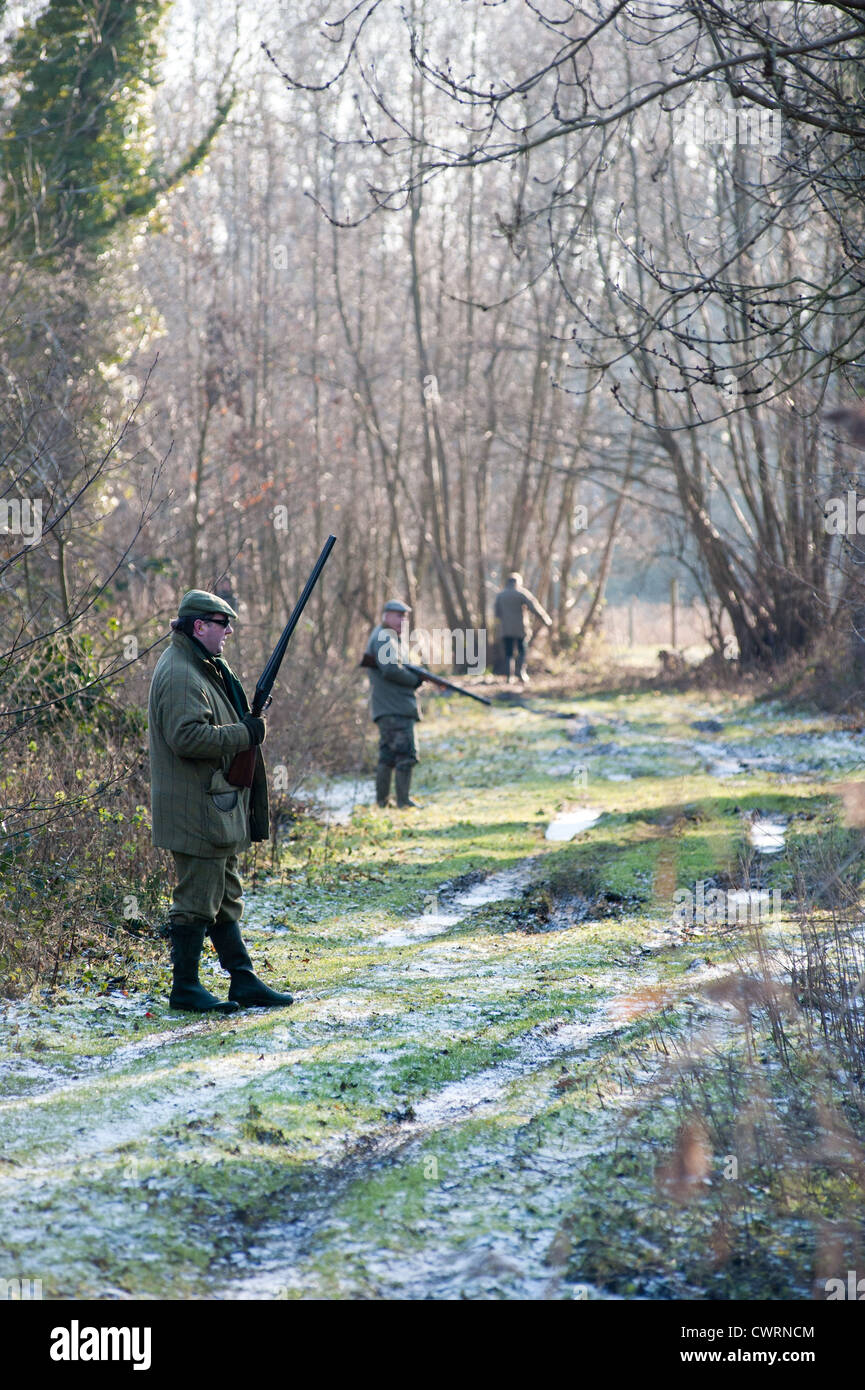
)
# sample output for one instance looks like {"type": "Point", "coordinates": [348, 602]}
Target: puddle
{"type": "Point", "coordinates": [767, 835]}
{"type": "Point", "coordinates": [649, 999]}
{"type": "Point", "coordinates": [496, 887]}
{"type": "Point", "coordinates": [568, 912]}
{"type": "Point", "coordinates": [506, 883]}
{"type": "Point", "coordinates": [570, 823]}
{"type": "Point", "coordinates": [422, 928]}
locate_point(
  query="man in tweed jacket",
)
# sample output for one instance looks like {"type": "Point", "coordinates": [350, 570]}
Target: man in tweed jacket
{"type": "Point", "coordinates": [393, 704]}
{"type": "Point", "coordinates": [198, 719]}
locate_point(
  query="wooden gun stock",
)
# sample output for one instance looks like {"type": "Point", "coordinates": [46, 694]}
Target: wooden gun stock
{"type": "Point", "coordinates": [242, 769]}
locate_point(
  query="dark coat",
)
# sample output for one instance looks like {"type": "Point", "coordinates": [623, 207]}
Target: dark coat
{"type": "Point", "coordinates": [194, 735]}
{"type": "Point", "coordinates": [510, 603]}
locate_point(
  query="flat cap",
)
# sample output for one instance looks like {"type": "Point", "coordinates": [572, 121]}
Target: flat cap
{"type": "Point", "coordinates": [198, 603]}
{"type": "Point", "coordinates": [394, 605]}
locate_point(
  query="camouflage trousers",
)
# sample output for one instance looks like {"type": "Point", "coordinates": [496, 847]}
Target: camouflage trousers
{"type": "Point", "coordinates": [206, 888]}
{"type": "Point", "coordinates": [396, 741]}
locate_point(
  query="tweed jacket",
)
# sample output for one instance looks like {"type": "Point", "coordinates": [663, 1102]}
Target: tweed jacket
{"type": "Point", "coordinates": [194, 734]}
{"type": "Point", "coordinates": [391, 687]}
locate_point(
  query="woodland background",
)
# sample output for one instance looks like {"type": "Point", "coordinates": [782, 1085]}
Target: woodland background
{"type": "Point", "coordinates": [573, 289]}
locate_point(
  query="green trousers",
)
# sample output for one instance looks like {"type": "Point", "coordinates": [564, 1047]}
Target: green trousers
{"type": "Point", "coordinates": [206, 888]}
{"type": "Point", "coordinates": [396, 741]}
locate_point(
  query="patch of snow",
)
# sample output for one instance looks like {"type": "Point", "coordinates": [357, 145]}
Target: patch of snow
{"type": "Point", "coordinates": [570, 823]}
{"type": "Point", "coordinates": [767, 835]}
{"type": "Point", "coordinates": [333, 802]}
{"type": "Point", "coordinates": [507, 883]}
{"type": "Point", "coordinates": [718, 760]}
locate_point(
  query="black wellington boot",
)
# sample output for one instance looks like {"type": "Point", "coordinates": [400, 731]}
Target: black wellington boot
{"type": "Point", "coordinates": [403, 786]}
{"type": "Point", "coordinates": [187, 939]}
{"type": "Point", "coordinates": [246, 989]}
{"type": "Point", "coordinates": [382, 783]}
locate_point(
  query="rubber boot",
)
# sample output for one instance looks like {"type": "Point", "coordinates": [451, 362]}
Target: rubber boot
{"type": "Point", "coordinates": [246, 988]}
{"type": "Point", "coordinates": [403, 785]}
{"type": "Point", "coordinates": [382, 783]}
{"type": "Point", "coordinates": [187, 939]}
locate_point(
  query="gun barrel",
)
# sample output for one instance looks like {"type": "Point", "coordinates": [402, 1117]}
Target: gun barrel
{"type": "Point", "coordinates": [449, 685]}
{"type": "Point", "coordinates": [242, 769]}
{"type": "Point", "coordinates": [271, 670]}
{"type": "Point", "coordinates": [369, 662]}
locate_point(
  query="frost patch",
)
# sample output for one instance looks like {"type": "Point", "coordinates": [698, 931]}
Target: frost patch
{"type": "Point", "coordinates": [333, 802]}
{"type": "Point", "coordinates": [767, 835]}
{"type": "Point", "coordinates": [571, 823]}
{"type": "Point", "coordinates": [507, 883]}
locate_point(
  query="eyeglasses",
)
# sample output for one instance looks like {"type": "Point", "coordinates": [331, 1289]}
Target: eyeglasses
{"type": "Point", "coordinates": [220, 622]}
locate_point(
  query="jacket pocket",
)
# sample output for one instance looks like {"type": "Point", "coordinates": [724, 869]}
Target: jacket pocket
{"type": "Point", "coordinates": [225, 812]}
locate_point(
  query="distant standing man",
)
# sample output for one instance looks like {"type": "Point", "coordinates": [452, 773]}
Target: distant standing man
{"type": "Point", "coordinates": [510, 602]}
{"type": "Point", "coordinates": [198, 717]}
{"type": "Point", "coordinates": [393, 704]}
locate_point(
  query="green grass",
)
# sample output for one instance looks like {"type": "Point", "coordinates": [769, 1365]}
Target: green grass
{"type": "Point", "coordinates": [166, 1172]}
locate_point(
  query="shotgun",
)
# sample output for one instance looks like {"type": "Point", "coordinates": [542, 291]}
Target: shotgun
{"type": "Point", "coordinates": [243, 766]}
{"type": "Point", "coordinates": [369, 662]}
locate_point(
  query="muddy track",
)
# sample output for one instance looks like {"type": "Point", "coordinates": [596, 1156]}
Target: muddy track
{"type": "Point", "coordinates": [187, 1085]}
{"type": "Point", "coordinates": [286, 1154]}
{"type": "Point", "coordinates": [288, 1224]}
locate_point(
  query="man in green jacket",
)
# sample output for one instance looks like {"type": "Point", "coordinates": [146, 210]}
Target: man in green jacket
{"type": "Point", "coordinates": [393, 704]}
{"type": "Point", "coordinates": [198, 718]}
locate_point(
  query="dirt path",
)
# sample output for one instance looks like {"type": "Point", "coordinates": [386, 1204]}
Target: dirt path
{"type": "Point", "coordinates": [472, 995]}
